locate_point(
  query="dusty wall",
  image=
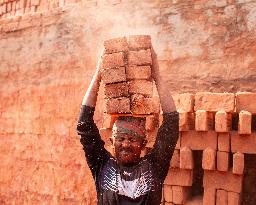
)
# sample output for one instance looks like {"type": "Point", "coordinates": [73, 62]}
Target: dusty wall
{"type": "Point", "coordinates": [47, 59]}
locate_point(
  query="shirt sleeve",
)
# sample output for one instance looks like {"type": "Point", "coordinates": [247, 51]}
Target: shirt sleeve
{"type": "Point", "coordinates": [165, 143]}
{"type": "Point", "coordinates": [93, 145]}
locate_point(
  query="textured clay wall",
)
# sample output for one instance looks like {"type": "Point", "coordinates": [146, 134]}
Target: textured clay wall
{"type": "Point", "coordinates": [48, 57]}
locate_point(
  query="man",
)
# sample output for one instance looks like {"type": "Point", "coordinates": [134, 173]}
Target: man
{"type": "Point", "coordinates": [127, 179]}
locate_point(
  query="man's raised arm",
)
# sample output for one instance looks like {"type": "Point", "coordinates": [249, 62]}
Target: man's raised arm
{"type": "Point", "coordinates": [93, 146]}
{"type": "Point", "coordinates": [168, 132]}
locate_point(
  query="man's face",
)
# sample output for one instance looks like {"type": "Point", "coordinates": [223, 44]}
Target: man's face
{"type": "Point", "coordinates": [127, 148]}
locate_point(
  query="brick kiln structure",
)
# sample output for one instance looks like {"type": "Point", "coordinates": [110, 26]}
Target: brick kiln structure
{"type": "Point", "coordinates": [219, 125]}
{"type": "Point", "coordinates": [48, 54]}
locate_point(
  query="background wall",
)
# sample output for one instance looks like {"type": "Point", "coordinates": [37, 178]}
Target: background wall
{"type": "Point", "coordinates": [48, 57]}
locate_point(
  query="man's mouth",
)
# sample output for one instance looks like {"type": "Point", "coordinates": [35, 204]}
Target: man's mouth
{"type": "Point", "coordinates": [126, 151]}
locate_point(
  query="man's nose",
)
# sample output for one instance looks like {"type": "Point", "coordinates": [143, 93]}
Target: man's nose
{"type": "Point", "coordinates": [126, 143]}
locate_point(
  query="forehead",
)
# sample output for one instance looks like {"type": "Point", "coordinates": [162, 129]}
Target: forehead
{"type": "Point", "coordinates": [128, 136]}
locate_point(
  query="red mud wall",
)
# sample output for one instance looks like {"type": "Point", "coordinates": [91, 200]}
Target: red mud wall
{"type": "Point", "coordinates": [48, 57]}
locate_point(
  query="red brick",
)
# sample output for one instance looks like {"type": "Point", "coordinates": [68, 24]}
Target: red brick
{"type": "Point", "coordinates": [175, 161]}
{"type": "Point", "coordinates": [4, 8]}
{"type": "Point", "coordinates": [17, 5]}
{"type": "Point", "coordinates": [143, 87]}
{"type": "Point", "coordinates": [179, 177]}
{"type": "Point", "coordinates": [209, 196]}
{"type": "Point", "coordinates": [142, 57]}
{"type": "Point", "coordinates": [199, 140]}
{"type": "Point", "coordinates": [178, 142]}
{"type": "Point", "coordinates": [209, 159]}
{"type": "Point", "coordinates": [168, 193]}
{"type": "Point", "coordinates": [13, 8]}
{"type": "Point", "coordinates": [137, 42]}
{"type": "Point", "coordinates": [222, 161]}
{"type": "Point", "coordinates": [246, 101]}
{"type": "Point", "coordinates": [116, 90]}
{"type": "Point", "coordinates": [221, 197]}
{"type": "Point", "coordinates": [223, 180]}
{"type": "Point", "coordinates": [9, 7]}
{"type": "Point", "coordinates": [138, 72]}
{"type": "Point", "coordinates": [201, 123]}
{"type": "Point", "coordinates": [245, 123]}
{"type": "Point", "coordinates": [186, 158]}
{"type": "Point", "coordinates": [113, 75]}
{"type": "Point", "coordinates": [43, 6]}
{"type": "Point", "coordinates": [204, 120]}
{"type": "Point", "coordinates": [113, 60]}
{"type": "Point", "coordinates": [191, 120]}
{"type": "Point", "coordinates": [224, 142]}
{"type": "Point", "coordinates": [234, 198]}
{"type": "Point", "coordinates": [180, 194]}
{"type": "Point", "coordinates": [222, 121]}
{"type": "Point", "coordinates": [116, 45]}
{"type": "Point", "coordinates": [238, 163]}
{"type": "Point", "coordinates": [108, 121]}
{"type": "Point", "coordinates": [156, 105]}
{"type": "Point", "coordinates": [183, 121]}
{"type": "Point", "coordinates": [141, 104]}
{"type": "Point", "coordinates": [35, 2]}
{"type": "Point", "coordinates": [118, 105]}
{"type": "Point", "coordinates": [184, 102]}
{"type": "Point", "coordinates": [243, 143]}
{"type": "Point", "coordinates": [214, 102]}
{"type": "Point", "coordinates": [152, 122]}
{"type": "Point", "coordinates": [151, 138]}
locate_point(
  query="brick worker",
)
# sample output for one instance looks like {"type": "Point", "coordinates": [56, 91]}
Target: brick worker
{"type": "Point", "coordinates": [126, 178]}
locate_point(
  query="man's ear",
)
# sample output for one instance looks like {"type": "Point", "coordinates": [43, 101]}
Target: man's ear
{"type": "Point", "coordinates": [144, 143]}
{"type": "Point", "coordinates": [111, 141]}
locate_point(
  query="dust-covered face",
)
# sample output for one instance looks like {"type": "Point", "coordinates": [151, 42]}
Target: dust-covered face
{"type": "Point", "coordinates": [128, 140]}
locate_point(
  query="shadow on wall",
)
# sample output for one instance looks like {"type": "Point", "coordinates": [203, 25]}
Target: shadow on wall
{"type": "Point", "coordinates": [249, 188]}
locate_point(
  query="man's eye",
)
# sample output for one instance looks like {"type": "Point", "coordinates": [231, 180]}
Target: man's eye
{"type": "Point", "coordinates": [133, 140]}
{"type": "Point", "coordinates": [119, 139]}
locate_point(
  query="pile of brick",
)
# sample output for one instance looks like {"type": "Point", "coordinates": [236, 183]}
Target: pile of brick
{"type": "Point", "coordinates": [126, 74]}
{"type": "Point", "coordinates": [219, 125]}
{"type": "Point", "coordinates": [10, 8]}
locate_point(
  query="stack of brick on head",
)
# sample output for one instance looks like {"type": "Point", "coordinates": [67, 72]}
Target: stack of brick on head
{"type": "Point", "coordinates": [128, 69]}
{"type": "Point", "coordinates": [128, 83]}
{"type": "Point", "coordinates": [127, 75]}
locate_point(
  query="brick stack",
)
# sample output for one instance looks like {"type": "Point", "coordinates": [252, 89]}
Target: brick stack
{"type": "Point", "coordinates": [206, 125]}
{"type": "Point", "coordinates": [128, 85]}
{"type": "Point", "coordinates": [180, 177]}
{"type": "Point", "coordinates": [10, 8]}
{"type": "Point", "coordinates": [17, 7]}
{"type": "Point", "coordinates": [126, 75]}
